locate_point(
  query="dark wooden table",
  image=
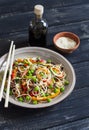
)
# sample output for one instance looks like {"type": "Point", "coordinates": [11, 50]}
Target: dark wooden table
{"type": "Point", "coordinates": [62, 15]}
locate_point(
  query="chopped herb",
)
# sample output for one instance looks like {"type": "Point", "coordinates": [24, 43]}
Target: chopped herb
{"type": "Point", "coordinates": [35, 102]}
{"type": "Point", "coordinates": [16, 62]}
{"type": "Point", "coordinates": [17, 79]}
{"type": "Point", "coordinates": [42, 73]}
{"type": "Point", "coordinates": [36, 88]}
{"type": "Point", "coordinates": [32, 71]}
{"type": "Point", "coordinates": [43, 94]}
{"type": "Point", "coordinates": [20, 99]}
{"type": "Point", "coordinates": [26, 61]}
{"type": "Point", "coordinates": [49, 61]}
{"type": "Point", "coordinates": [49, 100]}
{"type": "Point", "coordinates": [51, 86]}
{"type": "Point", "coordinates": [29, 73]}
{"type": "Point", "coordinates": [10, 92]}
{"type": "Point", "coordinates": [66, 82]}
{"type": "Point", "coordinates": [46, 94]}
{"type": "Point", "coordinates": [34, 79]}
{"type": "Point", "coordinates": [27, 98]}
{"type": "Point", "coordinates": [55, 90]}
{"type": "Point", "coordinates": [62, 89]}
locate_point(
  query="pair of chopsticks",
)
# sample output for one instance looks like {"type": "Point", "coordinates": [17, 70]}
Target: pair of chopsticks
{"type": "Point", "coordinates": [9, 65]}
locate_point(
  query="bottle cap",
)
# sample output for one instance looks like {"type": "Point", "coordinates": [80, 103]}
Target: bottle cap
{"type": "Point", "coordinates": [38, 9]}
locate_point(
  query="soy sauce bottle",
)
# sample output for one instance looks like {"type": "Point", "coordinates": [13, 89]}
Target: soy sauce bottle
{"type": "Point", "coordinates": [38, 28]}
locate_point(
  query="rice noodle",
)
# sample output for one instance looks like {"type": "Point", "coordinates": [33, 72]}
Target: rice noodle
{"type": "Point", "coordinates": [36, 78]}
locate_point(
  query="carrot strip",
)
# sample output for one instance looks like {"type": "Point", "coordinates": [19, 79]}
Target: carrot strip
{"type": "Point", "coordinates": [19, 60]}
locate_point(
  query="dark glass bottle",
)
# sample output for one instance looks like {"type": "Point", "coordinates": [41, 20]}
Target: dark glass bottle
{"type": "Point", "coordinates": [38, 28]}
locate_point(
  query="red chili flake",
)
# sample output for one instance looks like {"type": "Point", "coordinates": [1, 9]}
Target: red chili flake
{"type": "Point", "coordinates": [12, 75]}
{"type": "Point", "coordinates": [44, 80]}
{"type": "Point", "coordinates": [25, 65]}
{"type": "Point", "coordinates": [41, 60]}
{"type": "Point", "coordinates": [30, 93]}
{"type": "Point", "coordinates": [24, 87]}
{"type": "Point", "coordinates": [13, 64]}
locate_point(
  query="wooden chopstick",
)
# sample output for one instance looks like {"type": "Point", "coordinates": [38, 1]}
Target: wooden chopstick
{"type": "Point", "coordinates": [9, 78]}
{"type": "Point", "coordinates": [5, 72]}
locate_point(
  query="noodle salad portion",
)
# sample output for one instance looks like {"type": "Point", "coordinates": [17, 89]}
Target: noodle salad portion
{"type": "Point", "coordinates": [35, 80]}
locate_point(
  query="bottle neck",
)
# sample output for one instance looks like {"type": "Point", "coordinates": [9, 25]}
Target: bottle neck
{"type": "Point", "coordinates": [38, 17]}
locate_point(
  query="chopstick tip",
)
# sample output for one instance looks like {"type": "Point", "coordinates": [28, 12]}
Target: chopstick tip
{"type": "Point", "coordinates": [12, 41]}
{"type": "Point", "coordinates": [6, 106]}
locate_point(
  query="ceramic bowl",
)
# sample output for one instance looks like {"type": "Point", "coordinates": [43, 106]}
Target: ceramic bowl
{"type": "Point", "coordinates": [56, 58]}
{"type": "Point", "coordinates": [69, 35]}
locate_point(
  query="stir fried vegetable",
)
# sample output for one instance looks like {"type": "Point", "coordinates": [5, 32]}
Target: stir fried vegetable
{"type": "Point", "coordinates": [35, 80]}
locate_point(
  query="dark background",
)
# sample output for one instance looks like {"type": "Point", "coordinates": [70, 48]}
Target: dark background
{"type": "Point", "coordinates": [61, 15]}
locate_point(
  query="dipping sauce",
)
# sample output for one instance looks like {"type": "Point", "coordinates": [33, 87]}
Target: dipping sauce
{"type": "Point", "coordinates": [65, 43]}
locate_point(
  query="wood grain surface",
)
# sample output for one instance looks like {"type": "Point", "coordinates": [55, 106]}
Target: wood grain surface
{"type": "Point", "coordinates": [61, 15]}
